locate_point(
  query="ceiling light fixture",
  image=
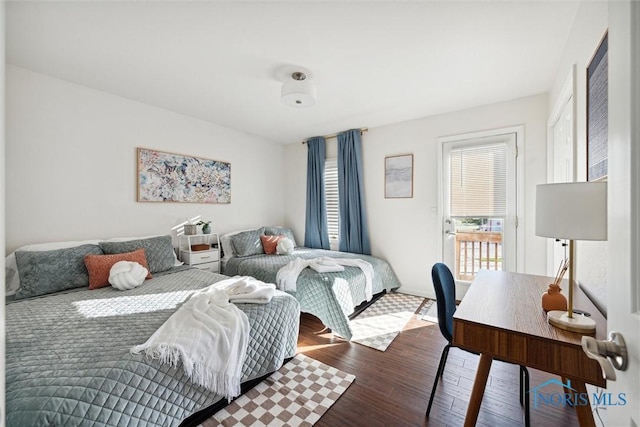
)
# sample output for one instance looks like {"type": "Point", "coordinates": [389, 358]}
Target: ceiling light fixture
{"type": "Point", "coordinates": [299, 91]}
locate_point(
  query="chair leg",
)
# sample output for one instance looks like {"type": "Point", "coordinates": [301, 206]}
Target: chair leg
{"type": "Point", "coordinates": [524, 396]}
{"type": "Point", "coordinates": [443, 361]}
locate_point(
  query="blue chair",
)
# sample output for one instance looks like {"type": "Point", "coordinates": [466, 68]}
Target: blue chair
{"type": "Point", "coordinates": [445, 288]}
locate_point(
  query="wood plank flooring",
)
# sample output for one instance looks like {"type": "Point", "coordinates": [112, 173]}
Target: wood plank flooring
{"type": "Point", "coordinates": [392, 388]}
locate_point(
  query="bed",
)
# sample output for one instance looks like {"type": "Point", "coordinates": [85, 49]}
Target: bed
{"type": "Point", "coordinates": [332, 297]}
{"type": "Point", "coordinates": [68, 359]}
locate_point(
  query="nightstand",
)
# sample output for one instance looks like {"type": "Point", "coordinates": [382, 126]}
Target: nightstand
{"type": "Point", "coordinates": [201, 251]}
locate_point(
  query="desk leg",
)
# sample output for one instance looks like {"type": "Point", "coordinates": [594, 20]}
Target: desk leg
{"type": "Point", "coordinates": [585, 416]}
{"type": "Point", "coordinates": [477, 393]}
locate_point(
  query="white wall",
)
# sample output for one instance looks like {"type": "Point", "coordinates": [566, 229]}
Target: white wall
{"type": "Point", "coordinates": [402, 230]}
{"type": "Point", "coordinates": [588, 28]}
{"type": "Point", "coordinates": [71, 165]}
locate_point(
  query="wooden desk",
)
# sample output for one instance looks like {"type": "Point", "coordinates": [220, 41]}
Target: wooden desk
{"type": "Point", "coordinates": [501, 317]}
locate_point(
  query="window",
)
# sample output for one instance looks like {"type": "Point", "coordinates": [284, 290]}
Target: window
{"type": "Point", "coordinates": [331, 198]}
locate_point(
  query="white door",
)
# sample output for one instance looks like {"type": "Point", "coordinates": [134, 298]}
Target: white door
{"type": "Point", "coordinates": [623, 290]}
{"type": "Point", "coordinates": [479, 203]}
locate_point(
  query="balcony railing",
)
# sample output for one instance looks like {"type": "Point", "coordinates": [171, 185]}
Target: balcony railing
{"type": "Point", "coordinates": [476, 250]}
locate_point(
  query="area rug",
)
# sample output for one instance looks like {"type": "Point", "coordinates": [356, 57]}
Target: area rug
{"type": "Point", "coordinates": [429, 311]}
{"type": "Point", "coordinates": [378, 325]}
{"type": "Point", "coordinates": [298, 394]}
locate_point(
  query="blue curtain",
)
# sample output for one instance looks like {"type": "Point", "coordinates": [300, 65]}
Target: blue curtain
{"type": "Point", "coordinates": [315, 230]}
{"type": "Point", "coordinates": [354, 232]}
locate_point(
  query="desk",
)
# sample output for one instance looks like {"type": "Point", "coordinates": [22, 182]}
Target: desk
{"type": "Point", "coordinates": [501, 317]}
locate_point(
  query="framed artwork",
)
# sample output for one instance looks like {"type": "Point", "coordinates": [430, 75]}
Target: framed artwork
{"type": "Point", "coordinates": [398, 176]}
{"type": "Point", "coordinates": [598, 114]}
{"type": "Point", "coordinates": [170, 177]}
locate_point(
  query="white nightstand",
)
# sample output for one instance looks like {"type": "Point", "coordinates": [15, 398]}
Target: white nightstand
{"type": "Point", "coordinates": [204, 259]}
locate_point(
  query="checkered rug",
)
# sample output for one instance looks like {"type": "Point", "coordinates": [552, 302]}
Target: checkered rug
{"type": "Point", "coordinates": [298, 394]}
{"type": "Point", "coordinates": [429, 311]}
{"type": "Point", "coordinates": [379, 324]}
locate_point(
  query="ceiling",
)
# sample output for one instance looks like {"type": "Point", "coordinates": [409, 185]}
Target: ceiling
{"type": "Point", "coordinates": [373, 63]}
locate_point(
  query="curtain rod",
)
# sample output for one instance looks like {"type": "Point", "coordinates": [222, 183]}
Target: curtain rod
{"type": "Point", "coordinates": [335, 135]}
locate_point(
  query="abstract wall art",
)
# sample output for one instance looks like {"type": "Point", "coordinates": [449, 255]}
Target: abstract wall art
{"type": "Point", "coordinates": [170, 177]}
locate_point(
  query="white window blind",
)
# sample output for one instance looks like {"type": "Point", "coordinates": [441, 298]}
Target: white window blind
{"type": "Point", "coordinates": [479, 181]}
{"type": "Point", "coordinates": [331, 197]}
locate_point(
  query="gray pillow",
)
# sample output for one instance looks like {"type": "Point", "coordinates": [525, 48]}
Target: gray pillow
{"type": "Point", "coordinates": [248, 243]}
{"type": "Point", "coordinates": [159, 251]}
{"type": "Point", "coordinates": [45, 272]}
{"type": "Point", "coordinates": [277, 231]}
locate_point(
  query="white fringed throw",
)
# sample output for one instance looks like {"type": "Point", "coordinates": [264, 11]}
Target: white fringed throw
{"type": "Point", "coordinates": [210, 335]}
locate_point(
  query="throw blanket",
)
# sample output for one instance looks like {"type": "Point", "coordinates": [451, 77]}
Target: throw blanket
{"type": "Point", "coordinates": [288, 275]}
{"type": "Point", "coordinates": [246, 289]}
{"type": "Point", "coordinates": [210, 335]}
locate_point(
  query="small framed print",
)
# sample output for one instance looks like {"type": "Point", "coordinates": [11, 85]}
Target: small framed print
{"type": "Point", "coordinates": [398, 176]}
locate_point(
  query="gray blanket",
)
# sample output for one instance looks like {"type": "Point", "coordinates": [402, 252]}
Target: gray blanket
{"type": "Point", "coordinates": [331, 297]}
{"type": "Point", "coordinates": [68, 361]}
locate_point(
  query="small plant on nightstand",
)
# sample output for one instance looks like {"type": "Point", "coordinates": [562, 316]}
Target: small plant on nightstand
{"type": "Point", "coordinates": [206, 229]}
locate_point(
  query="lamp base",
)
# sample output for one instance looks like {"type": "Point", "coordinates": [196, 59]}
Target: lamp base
{"type": "Point", "coordinates": [577, 323]}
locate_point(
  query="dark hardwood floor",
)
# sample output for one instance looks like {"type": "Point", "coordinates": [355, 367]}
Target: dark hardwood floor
{"type": "Point", "coordinates": [392, 388]}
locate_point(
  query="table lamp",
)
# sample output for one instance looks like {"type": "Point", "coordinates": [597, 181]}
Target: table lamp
{"type": "Point", "coordinates": [572, 211]}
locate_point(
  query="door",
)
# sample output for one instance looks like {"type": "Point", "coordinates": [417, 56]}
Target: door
{"type": "Point", "coordinates": [623, 281]}
{"type": "Point", "coordinates": [561, 149]}
{"type": "Point", "coordinates": [479, 204]}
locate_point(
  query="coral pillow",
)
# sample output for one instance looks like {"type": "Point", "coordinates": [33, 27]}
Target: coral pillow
{"type": "Point", "coordinates": [99, 266]}
{"type": "Point", "coordinates": [269, 243]}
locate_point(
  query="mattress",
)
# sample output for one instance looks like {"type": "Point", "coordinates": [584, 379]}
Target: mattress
{"type": "Point", "coordinates": [68, 360]}
{"type": "Point", "coordinates": [331, 297]}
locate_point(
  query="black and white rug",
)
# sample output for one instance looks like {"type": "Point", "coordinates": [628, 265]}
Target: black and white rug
{"type": "Point", "coordinates": [298, 394]}
{"type": "Point", "coordinates": [379, 324]}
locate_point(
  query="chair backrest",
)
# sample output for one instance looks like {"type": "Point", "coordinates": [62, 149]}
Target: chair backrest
{"type": "Point", "coordinates": [445, 287]}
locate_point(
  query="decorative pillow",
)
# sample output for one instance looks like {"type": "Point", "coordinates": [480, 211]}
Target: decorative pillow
{"type": "Point", "coordinates": [248, 243]}
{"type": "Point", "coordinates": [125, 275]}
{"type": "Point", "coordinates": [99, 266]}
{"type": "Point", "coordinates": [45, 272]}
{"type": "Point", "coordinates": [159, 251]}
{"type": "Point", "coordinates": [176, 261]}
{"type": "Point", "coordinates": [284, 246]}
{"type": "Point", "coordinates": [269, 243]}
{"type": "Point", "coordinates": [12, 278]}
{"type": "Point", "coordinates": [227, 243]}
{"type": "Point", "coordinates": [277, 231]}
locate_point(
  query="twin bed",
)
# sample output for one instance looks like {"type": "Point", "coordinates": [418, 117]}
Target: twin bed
{"type": "Point", "coordinates": [68, 359]}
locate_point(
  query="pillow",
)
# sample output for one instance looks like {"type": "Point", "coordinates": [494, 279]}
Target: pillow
{"type": "Point", "coordinates": [159, 251]}
{"type": "Point", "coordinates": [176, 261]}
{"type": "Point", "coordinates": [99, 266]}
{"type": "Point", "coordinates": [125, 275]}
{"type": "Point", "coordinates": [247, 243]}
{"type": "Point", "coordinates": [269, 243]}
{"type": "Point", "coordinates": [284, 246]}
{"type": "Point", "coordinates": [227, 243]}
{"type": "Point", "coordinates": [277, 230]}
{"type": "Point", "coordinates": [45, 272]}
{"type": "Point", "coordinates": [12, 278]}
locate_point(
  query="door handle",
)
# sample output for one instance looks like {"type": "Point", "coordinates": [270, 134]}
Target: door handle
{"type": "Point", "coordinates": [611, 353]}
{"type": "Point", "coordinates": [449, 233]}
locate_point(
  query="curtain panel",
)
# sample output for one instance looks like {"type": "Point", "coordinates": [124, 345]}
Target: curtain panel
{"type": "Point", "coordinates": [315, 230]}
{"type": "Point", "coordinates": [354, 231]}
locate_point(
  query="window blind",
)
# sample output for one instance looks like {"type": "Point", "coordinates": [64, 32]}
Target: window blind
{"type": "Point", "coordinates": [331, 197]}
{"type": "Point", "coordinates": [479, 181]}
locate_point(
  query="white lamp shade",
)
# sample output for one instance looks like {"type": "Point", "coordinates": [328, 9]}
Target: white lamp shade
{"type": "Point", "coordinates": [298, 93]}
{"type": "Point", "coordinates": [572, 210]}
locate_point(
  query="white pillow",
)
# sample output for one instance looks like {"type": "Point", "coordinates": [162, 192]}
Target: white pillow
{"type": "Point", "coordinates": [284, 246]}
{"type": "Point", "coordinates": [12, 278]}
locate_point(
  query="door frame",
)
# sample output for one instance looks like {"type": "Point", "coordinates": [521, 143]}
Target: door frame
{"type": "Point", "coordinates": [520, 144]}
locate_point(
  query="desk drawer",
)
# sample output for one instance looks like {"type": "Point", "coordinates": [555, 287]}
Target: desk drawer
{"type": "Point", "coordinates": [213, 267]}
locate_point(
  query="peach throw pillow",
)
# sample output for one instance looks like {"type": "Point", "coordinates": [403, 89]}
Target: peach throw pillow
{"type": "Point", "coordinates": [99, 266]}
{"type": "Point", "coordinates": [269, 243]}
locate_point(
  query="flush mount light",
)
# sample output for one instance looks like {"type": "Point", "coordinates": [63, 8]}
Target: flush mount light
{"type": "Point", "coordinates": [298, 91]}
